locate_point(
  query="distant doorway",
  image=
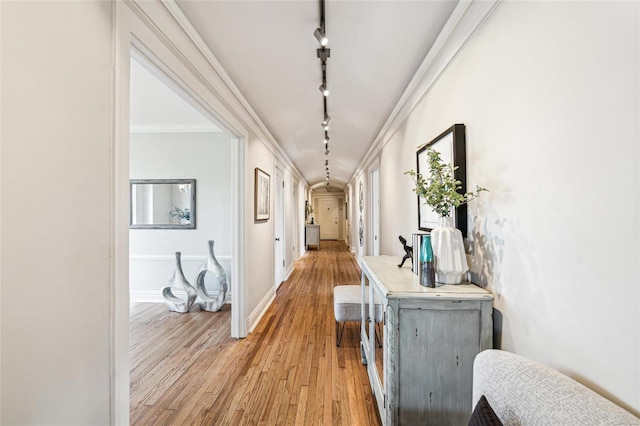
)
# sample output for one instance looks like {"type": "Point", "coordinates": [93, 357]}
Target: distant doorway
{"type": "Point", "coordinates": [329, 219]}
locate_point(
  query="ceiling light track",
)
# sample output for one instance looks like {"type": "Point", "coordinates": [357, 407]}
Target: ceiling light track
{"type": "Point", "coordinates": [323, 53]}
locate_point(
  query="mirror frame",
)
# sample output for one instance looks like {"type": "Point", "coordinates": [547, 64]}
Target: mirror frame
{"type": "Point", "coordinates": [191, 225]}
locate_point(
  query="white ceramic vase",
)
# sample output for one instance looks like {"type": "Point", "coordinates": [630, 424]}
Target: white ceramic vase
{"type": "Point", "coordinates": [448, 249]}
{"type": "Point", "coordinates": [212, 302]}
{"type": "Point", "coordinates": [179, 282]}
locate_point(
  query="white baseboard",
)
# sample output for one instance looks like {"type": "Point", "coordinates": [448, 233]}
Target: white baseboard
{"type": "Point", "coordinates": [288, 272]}
{"type": "Point", "coordinates": [155, 296]}
{"type": "Point", "coordinates": [260, 310]}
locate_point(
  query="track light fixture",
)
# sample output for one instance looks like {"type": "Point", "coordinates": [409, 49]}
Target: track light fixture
{"type": "Point", "coordinates": [321, 36]}
{"type": "Point", "coordinates": [324, 54]}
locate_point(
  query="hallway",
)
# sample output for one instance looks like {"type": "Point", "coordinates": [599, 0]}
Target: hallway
{"type": "Point", "coordinates": [185, 369]}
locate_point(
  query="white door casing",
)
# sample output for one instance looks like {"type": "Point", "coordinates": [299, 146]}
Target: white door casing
{"type": "Point", "coordinates": [278, 215]}
{"type": "Point", "coordinates": [375, 211]}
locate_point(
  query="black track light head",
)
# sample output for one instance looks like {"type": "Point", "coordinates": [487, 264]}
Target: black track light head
{"type": "Point", "coordinates": [323, 54]}
{"type": "Point", "coordinates": [322, 38]}
{"type": "Point", "coordinates": [326, 152]}
{"type": "Point", "coordinates": [323, 89]}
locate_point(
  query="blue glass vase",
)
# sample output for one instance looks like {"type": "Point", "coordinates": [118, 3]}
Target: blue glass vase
{"type": "Point", "coordinates": [427, 267]}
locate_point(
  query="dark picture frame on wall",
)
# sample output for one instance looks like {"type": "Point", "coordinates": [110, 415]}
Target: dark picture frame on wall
{"type": "Point", "coordinates": [262, 200]}
{"type": "Point", "coordinates": [451, 144]}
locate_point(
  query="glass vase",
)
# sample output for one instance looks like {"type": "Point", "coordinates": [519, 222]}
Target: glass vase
{"type": "Point", "coordinates": [426, 263]}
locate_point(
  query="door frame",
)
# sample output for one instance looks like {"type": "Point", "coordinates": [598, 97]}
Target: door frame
{"type": "Point", "coordinates": [279, 222]}
{"type": "Point", "coordinates": [134, 29]}
{"type": "Point", "coordinates": [374, 210]}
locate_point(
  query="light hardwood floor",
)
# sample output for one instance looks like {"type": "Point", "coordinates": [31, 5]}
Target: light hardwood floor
{"type": "Point", "coordinates": [185, 369]}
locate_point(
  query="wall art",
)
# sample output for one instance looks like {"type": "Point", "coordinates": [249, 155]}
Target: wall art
{"type": "Point", "coordinates": [262, 201]}
{"type": "Point", "coordinates": [451, 144]}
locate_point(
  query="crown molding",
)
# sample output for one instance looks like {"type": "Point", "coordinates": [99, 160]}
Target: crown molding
{"type": "Point", "coordinates": [252, 120]}
{"type": "Point", "coordinates": [175, 128]}
{"type": "Point", "coordinates": [465, 20]}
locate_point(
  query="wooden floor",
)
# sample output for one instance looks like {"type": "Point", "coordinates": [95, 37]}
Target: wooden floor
{"type": "Point", "coordinates": [185, 369]}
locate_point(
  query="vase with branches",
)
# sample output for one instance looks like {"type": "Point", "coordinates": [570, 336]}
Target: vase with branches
{"type": "Point", "coordinates": [441, 191]}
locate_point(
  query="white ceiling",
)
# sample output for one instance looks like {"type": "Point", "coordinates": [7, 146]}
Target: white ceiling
{"type": "Point", "coordinates": [157, 108]}
{"type": "Point", "coordinates": [268, 49]}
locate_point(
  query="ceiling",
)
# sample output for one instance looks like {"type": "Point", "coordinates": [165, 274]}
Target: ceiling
{"type": "Point", "coordinates": [269, 51]}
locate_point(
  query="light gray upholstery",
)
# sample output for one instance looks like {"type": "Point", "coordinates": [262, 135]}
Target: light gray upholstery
{"type": "Point", "coordinates": [524, 392]}
{"type": "Point", "coordinates": [346, 303]}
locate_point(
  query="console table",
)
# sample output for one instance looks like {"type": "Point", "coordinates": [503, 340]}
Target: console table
{"type": "Point", "coordinates": [312, 236]}
{"type": "Point", "coordinates": [420, 365]}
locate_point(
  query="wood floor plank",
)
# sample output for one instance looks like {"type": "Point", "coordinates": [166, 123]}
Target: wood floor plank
{"type": "Point", "coordinates": [185, 369]}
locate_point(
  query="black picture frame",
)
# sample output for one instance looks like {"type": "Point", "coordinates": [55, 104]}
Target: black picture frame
{"type": "Point", "coordinates": [452, 146]}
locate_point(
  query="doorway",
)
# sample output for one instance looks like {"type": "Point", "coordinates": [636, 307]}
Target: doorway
{"type": "Point", "coordinates": [278, 213]}
{"type": "Point", "coordinates": [375, 211]}
{"type": "Point", "coordinates": [329, 218]}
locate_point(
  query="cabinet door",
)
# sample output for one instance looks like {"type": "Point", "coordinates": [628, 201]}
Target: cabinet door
{"type": "Point", "coordinates": [436, 352]}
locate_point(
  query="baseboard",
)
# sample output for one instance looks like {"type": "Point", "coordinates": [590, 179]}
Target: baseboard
{"type": "Point", "coordinates": [155, 296]}
{"type": "Point", "coordinates": [288, 272]}
{"type": "Point", "coordinates": [259, 311]}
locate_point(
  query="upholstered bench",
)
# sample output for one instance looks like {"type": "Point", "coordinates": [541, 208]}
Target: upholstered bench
{"type": "Point", "coordinates": [346, 307]}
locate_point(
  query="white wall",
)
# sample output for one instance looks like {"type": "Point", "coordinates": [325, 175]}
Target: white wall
{"type": "Point", "coordinates": [64, 142]}
{"type": "Point", "coordinates": [549, 92]}
{"type": "Point", "coordinates": [57, 213]}
{"type": "Point", "coordinates": [206, 157]}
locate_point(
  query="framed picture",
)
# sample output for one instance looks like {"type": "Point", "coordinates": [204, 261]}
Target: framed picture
{"type": "Point", "coordinates": [361, 197]}
{"type": "Point", "coordinates": [306, 210]}
{"type": "Point", "coordinates": [451, 146]}
{"type": "Point", "coordinates": [262, 201]}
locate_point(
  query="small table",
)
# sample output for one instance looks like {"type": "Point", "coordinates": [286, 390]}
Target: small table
{"type": "Point", "coordinates": [312, 236]}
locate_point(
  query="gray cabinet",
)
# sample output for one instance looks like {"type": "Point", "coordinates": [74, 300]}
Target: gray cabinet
{"type": "Point", "coordinates": [312, 236]}
{"type": "Point", "coordinates": [420, 357]}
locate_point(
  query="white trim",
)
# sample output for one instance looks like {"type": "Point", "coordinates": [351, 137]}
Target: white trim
{"type": "Point", "coordinates": [172, 258]}
{"type": "Point", "coordinates": [238, 166]}
{"type": "Point", "coordinates": [119, 197]}
{"type": "Point", "coordinates": [143, 21]}
{"type": "Point", "coordinates": [288, 271]}
{"type": "Point", "coordinates": [260, 310]}
{"type": "Point", "coordinates": [465, 20]}
{"type": "Point", "coordinates": [155, 296]}
{"type": "Point", "coordinates": [373, 210]}
{"type": "Point", "coordinates": [175, 128]}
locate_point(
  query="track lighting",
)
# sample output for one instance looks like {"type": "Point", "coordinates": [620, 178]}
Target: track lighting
{"type": "Point", "coordinates": [325, 126]}
{"type": "Point", "coordinates": [324, 90]}
{"type": "Point", "coordinates": [326, 139]}
{"type": "Point", "coordinates": [322, 38]}
{"type": "Point", "coordinates": [326, 152]}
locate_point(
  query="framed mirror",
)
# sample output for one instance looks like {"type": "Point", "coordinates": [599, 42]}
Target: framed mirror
{"type": "Point", "coordinates": [162, 204]}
